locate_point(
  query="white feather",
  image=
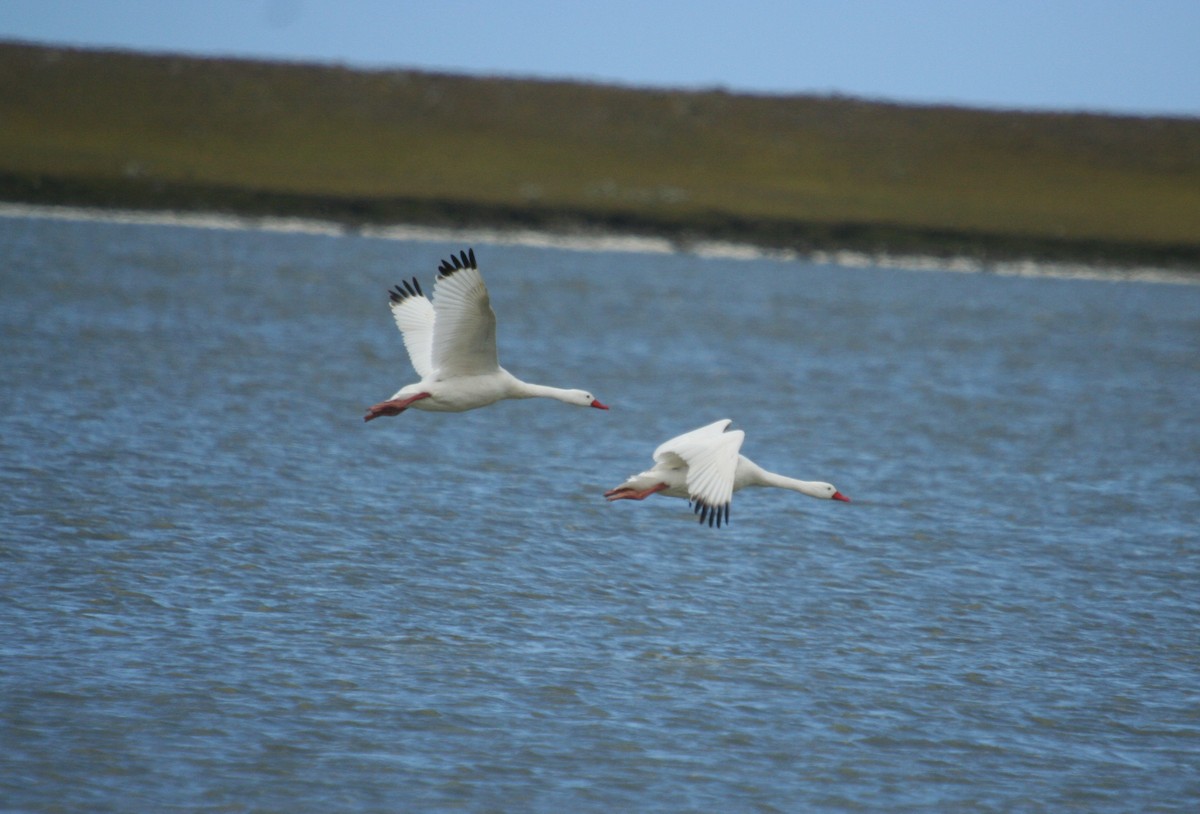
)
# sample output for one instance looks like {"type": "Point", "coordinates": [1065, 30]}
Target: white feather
{"type": "Point", "coordinates": [415, 317]}
{"type": "Point", "coordinates": [464, 333]}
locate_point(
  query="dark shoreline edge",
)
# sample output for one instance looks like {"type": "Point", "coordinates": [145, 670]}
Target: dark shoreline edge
{"type": "Point", "coordinates": [801, 237]}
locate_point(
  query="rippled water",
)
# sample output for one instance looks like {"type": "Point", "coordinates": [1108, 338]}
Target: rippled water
{"type": "Point", "coordinates": [222, 591]}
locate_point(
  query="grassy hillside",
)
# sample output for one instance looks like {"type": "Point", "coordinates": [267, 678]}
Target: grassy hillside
{"type": "Point", "coordinates": [111, 128]}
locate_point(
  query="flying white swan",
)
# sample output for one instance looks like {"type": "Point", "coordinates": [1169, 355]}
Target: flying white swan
{"type": "Point", "coordinates": [452, 345]}
{"type": "Point", "coordinates": [705, 467]}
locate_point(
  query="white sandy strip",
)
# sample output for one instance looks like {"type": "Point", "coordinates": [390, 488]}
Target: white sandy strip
{"type": "Point", "coordinates": [602, 241]}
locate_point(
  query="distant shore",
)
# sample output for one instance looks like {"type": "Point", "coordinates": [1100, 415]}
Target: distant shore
{"type": "Point", "coordinates": [941, 248]}
{"type": "Point", "coordinates": [810, 176]}
{"type": "Point", "coordinates": [593, 240]}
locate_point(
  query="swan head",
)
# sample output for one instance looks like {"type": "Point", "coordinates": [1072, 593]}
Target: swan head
{"type": "Point", "coordinates": [827, 491]}
{"type": "Point", "coordinates": [582, 398]}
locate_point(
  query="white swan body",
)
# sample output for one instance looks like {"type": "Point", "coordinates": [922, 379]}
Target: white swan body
{"type": "Point", "coordinates": [451, 342]}
{"type": "Point", "coordinates": [706, 467]}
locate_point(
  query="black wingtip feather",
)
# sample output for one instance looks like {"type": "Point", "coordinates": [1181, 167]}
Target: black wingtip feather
{"type": "Point", "coordinates": [404, 290]}
{"type": "Point", "coordinates": [463, 260]}
{"type": "Point", "coordinates": [712, 515]}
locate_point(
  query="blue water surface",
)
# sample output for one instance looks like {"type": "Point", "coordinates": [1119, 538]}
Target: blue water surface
{"type": "Point", "coordinates": [222, 591]}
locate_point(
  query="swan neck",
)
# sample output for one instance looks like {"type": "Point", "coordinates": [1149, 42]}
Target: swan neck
{"type": "Point", "coordinates": [804, 487]}
{"type": "Point", "coordinates": [525, 390]}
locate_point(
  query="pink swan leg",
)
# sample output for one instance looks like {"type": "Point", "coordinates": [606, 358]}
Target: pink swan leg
{"type": "Point", "coordinates": [628, 493]}
{"type": "Point", "coordinates": [394, 407]}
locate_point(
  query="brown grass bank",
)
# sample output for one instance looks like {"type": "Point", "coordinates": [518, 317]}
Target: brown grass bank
{"type": "Point", "coordinates": [158, 131]}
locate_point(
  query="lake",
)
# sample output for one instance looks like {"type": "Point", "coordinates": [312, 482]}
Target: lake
{"type": "Point", "coordinates": [222, 591]}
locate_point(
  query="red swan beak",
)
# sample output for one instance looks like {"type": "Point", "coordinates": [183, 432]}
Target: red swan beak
{"type": "Point", "coordinates": [596, 403]}
{"type": "Point", "coordinates": [840, 496]}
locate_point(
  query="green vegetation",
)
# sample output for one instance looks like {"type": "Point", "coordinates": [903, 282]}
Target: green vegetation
{"type": "Point", "coordinates": [139, 131]}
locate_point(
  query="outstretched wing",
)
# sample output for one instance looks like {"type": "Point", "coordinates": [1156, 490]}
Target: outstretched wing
{"type": "Point", "coordinates": [710, 476]}
{"type": "Point", "coordinates": [711, 455]}
{"type": "Point", "coordinates": [415, 318]}
{"type": "Point", "coordinates": [709, 431]}
{"type": "Point", "coordinates": [464, 332]}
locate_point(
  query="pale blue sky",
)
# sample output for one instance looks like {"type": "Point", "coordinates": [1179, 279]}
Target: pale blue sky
{"type": "Point", "coordinates": [1124, 56]}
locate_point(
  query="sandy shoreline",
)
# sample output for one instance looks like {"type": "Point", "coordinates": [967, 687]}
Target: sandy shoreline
{"type": "Point", "coordinates": [595, 241]}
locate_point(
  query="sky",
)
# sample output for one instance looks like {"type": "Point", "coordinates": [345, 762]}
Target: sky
{"type": "Point", "coordinates": [1138, 57]}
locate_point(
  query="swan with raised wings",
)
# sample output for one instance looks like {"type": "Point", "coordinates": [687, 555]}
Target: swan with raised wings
{"type": "Point", "coordinates": [706, 467]}
{"type": "Point", "coordinates": [452, 344]}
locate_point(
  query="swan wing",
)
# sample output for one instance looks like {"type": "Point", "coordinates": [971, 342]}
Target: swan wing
{"type": "Point", "coordinates": [711, 467]}
{"type": "Point", "coordinates": [414, 317]}
{"type": "Point", "coordinates": [712, 463]}
{"type": "Point", "coordinates": [464, 332]}
{"type": "Point", "coordinates": [709, 432]}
